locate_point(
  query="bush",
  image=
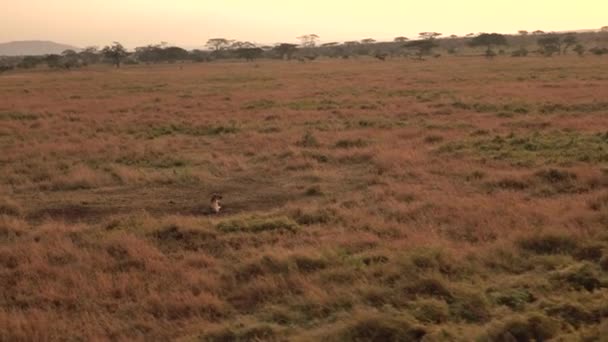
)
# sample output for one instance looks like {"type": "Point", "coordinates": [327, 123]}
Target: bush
{"type": "Point", "coordinates": [508, 184]}
{"type": "Point", "coordinates": [523, 52]}
{"type": "Point", "coordinates": [574, 314]}
{"type": "Point", "coordinates": [548, 244]}
{"type": "Point", "coordinates": [598, 51]}
{"type": "Point", "coordinates": [257, 224]}
{"type": "Point", "coordinates": [432, 139]}
{"type": "Point", "coordinates": [470, 307]}
{"type": "Point", "coordinates": [308, 264]}
{"type": "Point", "coordinates": [345, 143]}
{"type": "Point", "coordinates": [431, 311]}
{"type": "Point", "coordinates": [534, 327]}
{"type": "Point", "coordinates": [560, 181]}
{"type": "Point", "coordinates": [309, 140]}
{"type": "Point", "coordinates": [375, 327]}
{"type": "Point", "coordinates": [582, 276]}
{"type": "Point", "coordinates": [592, 252]}
{"type": "Point", "coordinates": [431, 287]}
{"type": "Point", "coordinates": [314, 191]}
{"type": "Point", "coordinates": [515, 299]}
{"type": "Point", "coordinates": [319, 216]}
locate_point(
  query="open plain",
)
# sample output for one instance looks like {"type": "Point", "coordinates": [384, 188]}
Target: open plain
{"type": "Point", "coordinates": [451, 199]}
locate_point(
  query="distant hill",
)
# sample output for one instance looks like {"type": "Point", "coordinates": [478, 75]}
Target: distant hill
{"type": "Point", "coordinates": [33, 47]}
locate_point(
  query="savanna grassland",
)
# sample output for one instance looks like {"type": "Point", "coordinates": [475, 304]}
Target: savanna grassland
{"type": "Point", "coordinates": [453, 199]}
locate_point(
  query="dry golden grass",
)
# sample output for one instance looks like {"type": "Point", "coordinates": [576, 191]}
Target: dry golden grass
{"type": "Point", "coordinates": [450, 199]}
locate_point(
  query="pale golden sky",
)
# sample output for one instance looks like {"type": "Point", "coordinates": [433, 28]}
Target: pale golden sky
{"type": "Point", "coordinates": [191, 22]}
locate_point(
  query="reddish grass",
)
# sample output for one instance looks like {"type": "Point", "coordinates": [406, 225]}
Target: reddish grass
{"type": "Point", "coordinates": [363, 200]}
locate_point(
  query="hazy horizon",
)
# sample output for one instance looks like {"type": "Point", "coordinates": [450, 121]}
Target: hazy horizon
{"type": "Point", "coordinates": [189, 23]}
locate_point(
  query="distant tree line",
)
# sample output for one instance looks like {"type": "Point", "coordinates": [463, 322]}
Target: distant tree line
{"type": "Point", "coordinates": [427, 44]}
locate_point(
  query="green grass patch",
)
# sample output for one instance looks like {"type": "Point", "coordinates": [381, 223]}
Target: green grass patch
{"type": "Point", "coordinates": [556, 147]}
{"type": "Point", "coordinates": [257, 224]}
{"type": "Point", "coordinates": [153, 160]}
{"type": "Point", "coordinates": [551, 108]}
{"type": "Point", "coordinates": [310, 104]}
{"type": "Point", "coordinates": [259, 104]}
{"type": "Point", "coordinates": [17, 116]}
{"type": "Point", "coordinates": [348, 143]}
{"type": "Point", "coordinates": [153, 132]}
{"type": "Point", "coordinates": [512, 108]}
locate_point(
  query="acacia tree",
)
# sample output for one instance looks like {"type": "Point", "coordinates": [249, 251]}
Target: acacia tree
{"type": "Point", "coordinates": [523, 34]}
{"type": "Point", "coordinates": [115, 52]}
{"type": "Point", "coordinates": [241, 45]}
{"type": "Point", "coordinates": [569, 41]}
{"type": "Point", "coordinates": [249, 53]}
{"type": "Point", "coordinates": [429, 35]}
{"type": "Point", "coordinates": [400, 39]}
{"type": "Point", "coordinates": [286, 50]}
{"type": "Point", "coordinates": [89, 55]}
{"type": "Point", "coordinates": [368, 41]}
{"type": "Point", "coordinates": [309, 40]}
{"type": "Point", "coordinates": [69, 59]}
{"type": "Point", "coordinates": [550, 44]}
{"type": "Point", "coordinates": [489, 40]}
{"type": "Point", "coordinates": [217, 44]}
{"type": "Point", "coordinates": [424, 47]}
{"type": "Point", "coordinates": [330, 44]}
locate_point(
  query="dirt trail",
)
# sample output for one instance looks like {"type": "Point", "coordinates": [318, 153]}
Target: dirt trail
{"type": "Point", "coordinates": [90, 206]}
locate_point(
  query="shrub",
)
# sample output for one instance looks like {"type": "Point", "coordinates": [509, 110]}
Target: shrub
{"type": "Point", "coordinates": [515, 298]}
{"type": "Point", "coordinates": [510, 184]}
{"type": "Point", "coordinates": [259, 104]}
{"type": "Point", "coordinates": [582, 276]}
{"type": "Point", "coordinates": [309, 140]}
{"type": "Point", "coordinates": [523, 52]}
{"type": "Point", "coordinates": [554, 176]}
{"type": "Point", "coordinates": [599, 51]}
{"type": "Point", "coordinates": [549, 243]}
{"type": "Point", "coordinates": [574, 314]}
{"type": "Point", "coordinates": [432, 139]}
{"type": "Point", "coordinates": [345, 143]}
{"type": "Point", "coordinates": [379, 328]}
{"type": "Point", "coordinates": [172, 237]}
{"type": "Point", "coordinates": [308, 264]}
{"type": "Point", "coordinates": [470, 307]}
{"type": "Point", "coordinates": [431, 259]}
{"type": "Point", "coordinates": [534, 327]}
{"type": "Point", "coordinates": [260, 267]}
{"type": "Point", "coordinates": [257, 224]}
{"type": "Point", "coordinates": [314, 191]}
{"type": "Point", "coordinates": [319, 216]}
{"type": "Point", "coordinates": [431, 287]}
{"type": "Point", "coordinates": [431, 311]}
{"type": "Point", "coordinates": [592, 252]}
{"type": "Point", "coordinates": [18, 116]}
{"type": "Point", "coordinates": [559, 181]}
